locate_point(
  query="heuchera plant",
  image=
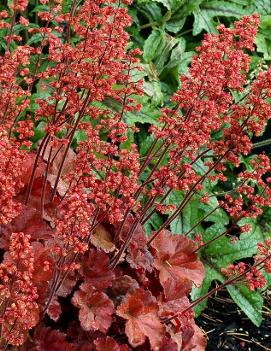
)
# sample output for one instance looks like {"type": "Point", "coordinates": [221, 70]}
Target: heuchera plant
{"type": "Point", "coordinates": [78, 272]}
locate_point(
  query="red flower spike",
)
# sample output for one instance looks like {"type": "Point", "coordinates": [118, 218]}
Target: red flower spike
{"type": "Point", "coordinates": [140, 309]}
{"type": "Point", "coordinates": [18, 293]}
{"type": "Point", "coordinates": [95, 269]}
{"type": "Point", "coordinates": [43, 263]}
{"type": "Point", "coordinates": [176, 260]}
{"type": "Point", "coordinates": [96, 308]}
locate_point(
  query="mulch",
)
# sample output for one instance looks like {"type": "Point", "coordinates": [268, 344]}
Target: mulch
{"type": "Point", "coordinates": [228, 328]}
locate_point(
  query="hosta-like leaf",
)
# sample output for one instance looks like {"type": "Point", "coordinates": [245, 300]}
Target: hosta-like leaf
{"type": "Point", "coordinates": [153, 45]}
{"type": "Point", "coordinates": [250, 302]}
{"type": "Point", "coordinates": [208, 10]}
{"type": "Point", "coordinates": [222, 252]}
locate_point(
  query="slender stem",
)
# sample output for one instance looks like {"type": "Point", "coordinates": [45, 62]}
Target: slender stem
{"type": "Point", "coordinates": [213, 291]}
{"type": "Point", "coordinates": [69, 144]}
{"type": "Point", "coordinates": [150, 24]}
{"type": "Point", "coordinates": [212, 240]}
{"type": "Point", "coordinates": [188, 196]}
{"type": "Point", "coordinates": [43, 143]}
{"type": "Point", "coordinates": [261, 143]}
{"type": "Point", "coordinates": [45, 181]}
{"type": "Point", "coordinates": [201, 220]}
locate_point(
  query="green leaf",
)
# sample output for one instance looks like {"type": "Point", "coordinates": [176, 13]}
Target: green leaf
{"type": "Point", "coordinates": [176, 54]}
{"type": "Point", "coordinates": [170, 73]}
{"type": "Point", "coordinates": [205, 14]}
{"type": "Point", "coordinates": [35, 38]}
{"type": "Point", "coordinates": [174, 25]}
{"type": "Point", "coordinates": [262, 40]}
{"type": "Point", "coordinates": [219, 216]}
{"type": "Point", "coordinates": [151, 11]}
{"type": "Point", "coordinates": [179, 14]}
{"type": "Point", "coordinates": [222, 251]}
{"type": "Point", "coordinates": [145, 145]}
{"type": "Point", "coordinates": [153, 90]}
{"type": "Point", "coordinates": [66, 5]}
{"type": "Point", "coordinates": [40, 8]}
{"type": "Point", "coordinates": [171, 4]}
{"type": "Point", "coordinates": [250, 302]}
{"type": "Point", "coordinates": [190, 215]}
{"type": "Point", "coordinates": [224, 8]}
{"type": "Point", "coordinates": [154, 223]}
{"type": "Point", "coordinates": [203, 21]}
{"type": "Point", "coordinates": [148, 114]}
{"type": "Point", "coordinates": [164, 55]}
{"type": "Point", "coordinates": [263, 7]}
{"type": "Point", "coordinates": [219, 254]}
{"type": "Point", "coordinates": [153, 44]}
{"type": "Point", "coordinates": [185, 62]}
{"type": "Point", "coordinates": [39, 131]}
{"type": "Point", "coordinates": [193, 212]}
{"type": "Point", "coordinates": [187, 219]}
{"type": "Point", "coordinates": [210, 275]}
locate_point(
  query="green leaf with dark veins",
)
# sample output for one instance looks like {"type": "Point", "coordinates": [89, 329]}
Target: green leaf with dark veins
{"type": "Point", "coordinates": [153, 45]}
{"type": "Point", "coordinates": [250, 302]}
{"type": "Point", "coordinates": [222, 252]}
{"type": "Point", "coordinates": [208, 10]}
{"type": "Point", "coordinates": [161, 60]}
{"type": "Point", "coordinates": [203, 21]}
{"type": "Point", "coordinates": [210, 275]}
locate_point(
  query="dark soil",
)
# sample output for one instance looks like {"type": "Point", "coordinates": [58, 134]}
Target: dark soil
{"type": "Point", "coordinates": [228, 328]}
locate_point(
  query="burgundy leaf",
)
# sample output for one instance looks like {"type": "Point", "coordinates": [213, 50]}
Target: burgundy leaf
{"type": "Point", "coordinates": [102, 239]}
{"type": "Point", "coordinates": [96, 308]}
{"type": "Point", "coordinates": [175, 258]}
{"type": "Point", "coordinates": [95, 269]}
{"type": "Point", "coordinates": [54, 309]}
{"type": "Point", "coordinates": [124, 284]}
{"type": "Point", "coordinates": [30, 222]}
{"type": "Point", "coordinates": [140, 310]}
{"type": "Point", "coordinates": [198, 341]}
{"type": "Point", "coordinates": [174, 289]}
{"type": "Point", "coordinates": [109, 344]}
{"type": "Point", "coordinates": [47, 339]}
